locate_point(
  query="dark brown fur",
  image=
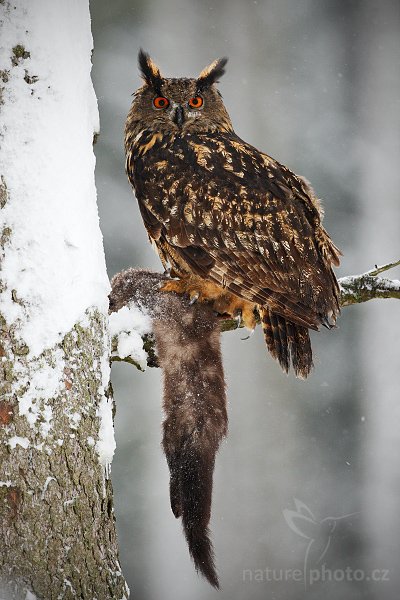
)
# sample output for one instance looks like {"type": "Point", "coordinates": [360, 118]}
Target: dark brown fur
{"type": "Point", "coordinates": [188, 349]}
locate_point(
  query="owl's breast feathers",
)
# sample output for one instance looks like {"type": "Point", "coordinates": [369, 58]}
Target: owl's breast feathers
{"type": "Point", "coordinates": [219, 208]}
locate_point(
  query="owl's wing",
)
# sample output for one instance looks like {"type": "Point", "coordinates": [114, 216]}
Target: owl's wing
{"type": "Point", "coordinates": [251, 225]}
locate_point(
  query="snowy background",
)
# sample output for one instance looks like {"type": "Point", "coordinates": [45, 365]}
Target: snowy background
{"type": "Point", "coordinates": [316, 85]}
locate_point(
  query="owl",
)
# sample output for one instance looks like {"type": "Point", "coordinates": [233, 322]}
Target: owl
{"type": "Point", "coordinates": [233, 226]}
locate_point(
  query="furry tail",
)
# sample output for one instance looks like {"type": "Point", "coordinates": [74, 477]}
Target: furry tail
{"type": "Point", "coordinates": [190, 491]}
{"type": "Point", "coordinates": [287, 342]}
{"type": "Point", "coordinates": [188, 348]}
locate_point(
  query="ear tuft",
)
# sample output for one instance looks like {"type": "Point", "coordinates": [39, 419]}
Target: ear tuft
{"type": "Point", "coordinates": [149, 71]}
{"type": "Point", "coordinates": [212, 73]}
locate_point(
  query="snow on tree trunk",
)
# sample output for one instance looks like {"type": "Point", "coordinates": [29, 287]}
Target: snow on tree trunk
{"type": "Point", "coordinates": [57, 530]}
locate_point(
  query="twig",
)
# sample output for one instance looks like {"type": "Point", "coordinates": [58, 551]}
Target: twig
{"type": "Point", "coordinates": [381, 269]}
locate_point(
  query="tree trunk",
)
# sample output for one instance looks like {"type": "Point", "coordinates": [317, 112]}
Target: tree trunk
{"type": "Point", "coordinates": [57, 532]}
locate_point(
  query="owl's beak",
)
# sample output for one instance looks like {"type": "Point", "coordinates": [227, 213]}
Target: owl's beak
{"type": "Point", "coordinates": [178, 116]}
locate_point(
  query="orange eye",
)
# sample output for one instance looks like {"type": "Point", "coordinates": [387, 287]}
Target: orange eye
{"type": "Point", "coordinates": [196, 102]}
{"type": "Point", "coordinates": [161, 102]}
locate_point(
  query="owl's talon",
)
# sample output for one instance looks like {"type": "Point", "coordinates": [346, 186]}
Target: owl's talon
{"type": "Point", "coordinates": [193, 298]}
{"type": "Point", "coordinates": [238, 318]}
{"type": "Point", "coordinates": [167, 273]}
{"type": "Point", "coordinates": [248, 336]}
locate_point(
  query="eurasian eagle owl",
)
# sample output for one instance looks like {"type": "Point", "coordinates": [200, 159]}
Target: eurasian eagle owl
{"type": "Point", "coordinates": [236, 226]}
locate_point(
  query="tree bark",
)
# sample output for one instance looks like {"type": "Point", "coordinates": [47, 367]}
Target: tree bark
{"type": "Point", "coordinates": [57, 530]}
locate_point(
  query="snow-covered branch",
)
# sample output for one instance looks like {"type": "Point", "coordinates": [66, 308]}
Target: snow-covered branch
{"type": "Point", "coordinates": [132, 340]}
{"type": "Point", "coordinates": [356, 289]}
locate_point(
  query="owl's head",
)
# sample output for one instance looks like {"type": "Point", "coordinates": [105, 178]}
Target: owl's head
{"type": "Point", "coordinates": [179, 105]}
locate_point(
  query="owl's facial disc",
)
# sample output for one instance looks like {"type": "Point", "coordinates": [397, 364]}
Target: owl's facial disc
{"type": "Point", "coordinates": [179, 105]}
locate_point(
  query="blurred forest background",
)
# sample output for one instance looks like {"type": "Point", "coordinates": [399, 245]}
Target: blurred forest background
{"type": "Point", "coordinates": [316, 84]}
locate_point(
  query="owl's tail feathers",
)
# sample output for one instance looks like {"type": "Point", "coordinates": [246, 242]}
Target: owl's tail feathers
{"type": "Point", "coordinates": [288, 343]}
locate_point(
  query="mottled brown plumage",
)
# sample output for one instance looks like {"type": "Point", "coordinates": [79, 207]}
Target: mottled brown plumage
{"type": "Point", "coordinates": [234, 225]}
